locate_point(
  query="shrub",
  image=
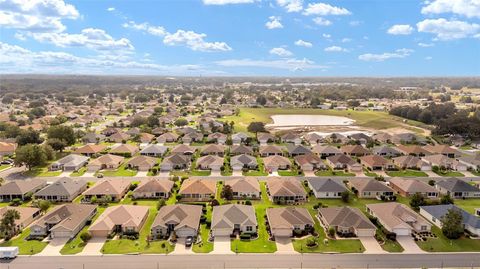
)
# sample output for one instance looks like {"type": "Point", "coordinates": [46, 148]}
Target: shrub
{"type": "Point", "coordinates": [311, 241]}
{"type": "Point", "coordinates": [16, 202]}
{"type": "Point", "coordinates": [245, 236]}
{"type": "Point", "coordinates": [85, 236]}
{"type": "Point", "coordinates": [248, 202]}
{"type": "Point", "coordinates": [331, 231]}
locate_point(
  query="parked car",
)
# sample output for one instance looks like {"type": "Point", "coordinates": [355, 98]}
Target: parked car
{"type": "Point", "coordinates": [8, 161]}
{"type": "Point", "coordinates": [189, 241]}
{"type": "Point", "coordinates": [8, 252]}
{"type": "Point", "coordinates": [99, 175]}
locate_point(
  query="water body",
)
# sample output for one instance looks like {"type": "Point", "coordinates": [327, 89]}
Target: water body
{"type": "Point", "coordinates": [309, 120]}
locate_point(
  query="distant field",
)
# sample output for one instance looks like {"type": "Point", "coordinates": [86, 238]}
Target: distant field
{"type": "Point", "coordinates": [368, 119]}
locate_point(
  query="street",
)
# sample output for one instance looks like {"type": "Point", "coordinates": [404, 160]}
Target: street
{"type": "Point", "coordinates": [440, 260]}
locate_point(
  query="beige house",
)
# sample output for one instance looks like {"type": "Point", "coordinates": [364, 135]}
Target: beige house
{"type": "Point", "coordinates": [27, 215]}
{"type": "Point", "coordinates": [370, 188]}
{"type": "Point", "coordinates": [63, 221]}
{"type": "Point", "coordinates": [210, 162]}
{"type": "Point", "coordinates": [398, 218]}
{"type": "Point", "coordinates": [124, 150]}
{"type": "Point", "coordinates": [90, 149]}
{"type": "Point", "coordinates": [182, 219]}
{"type": "Point", "coordinates": [346, 221]}
{"type": "Point", "coordinates": [153, 188]}
{"type": "Point", "coordinates": [408, 187]}
{"type": "Point", "coordinates": [233, 219]}
{"type": "Point", "coordinates": [285, 191]}
{"type": "Point", "coordinates": [123, 219]}
{"type": "Point", "coordinates": [275, 163]}
{"type": "Point", "coordinates": [20, 188]}
{"type": "Point", "coordinates": [244, 187]}
{"type": "Point", "coordinates": [198, 190]}
{"type": "Point", "coordinates": [115, 188]}
{"type": "Point", "coordinates": [142, 163]}
{"type": "Point", "coordinates": [107, 161]}
{"type": "Point", "coordinates": [289, 221]}
{"type": "Point", "coordinates": [64, 189]}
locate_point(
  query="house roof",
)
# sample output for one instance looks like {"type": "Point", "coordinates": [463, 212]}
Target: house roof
{"type": "Point", "coordinates": [21, 186]}
{"type": "Point", "coordinates": [362, 184]}
{"type": "Point", "coordinates": [288, 217]}
{"type": "Point", "coordinates": [326, 185]}
{"type": "Point", "coordinates": [440, 149]}
{"type": "Point", "coordinates": [265, 136]}
{"type": "Point", "coordinates": [438, 211]}
{"type": "Point", "coordinates": [90, 149]}
{"type": "Point", "coordinates": [456, 185]}
{"type": "Point", "coordinates": [325, 149]}
{"type": "Point", "coordinates": [72, 160]}
{"type": "Point", "coordinates": [125, 215]}
{"type": "Point", "coordinates": [64, 186]}
{"type": "Point", "coordinates": [107, 159]}
{"type": "Point", "coordinates": [411, 185]}
{"type": "Point", "coordinates": [243, 159]}
{"type": "Point", "coordinates": [198, 186]}
{"type": "Point", "coordinates": [7, 147]}
{"type": "Point", "coordinates": [409, 161]}
{"type": "Point", "coordinates": [374, 160]}
{"type": "Point", "coordinates": [108, 187]}
{"type": "Point", "coordinates": [346, 216]}
{"type": "Point", "coordinates": [213, 148]}
{"type": "Point", "coordinates": [276, 160]}
{"type": "Point", "coordinates": [354, 149]}
{"type": "Point", "coordinates": [298, 149]}
{"type": "Point", "coordinates": [177, 159]}
{"type": "Point", "coordinates": [270, 149]}
{"type": "Point", "coordinates": [124, 148]}
{"type": "Point", "coordinates": [285, 187]}
{"type": "Point", "coordinates": [241, 149]}
{"type": "Point", "coordinates": [67, 216]}
{"type": "Point", "coordinates": [154, 185]}
{"type": "Point", "coordinates": [210, 160]}
{"type": "Point", "coordinates": [142, 160]}
{"type": "Point", "coordinates": [412, 149]}
{"type": "Point", "coordinates": [182, 148]}
{"type": "Point", "coordinates": [244, 184]}
{"type": "Point", "coordinates": [25, 212]}
{"type": "Point", "coordinates": [341, 158]}
{"type": "Point", "coordinates": [180, 215]}
{"type": "Point", "coordinates": [226, 216]}
{"type": "Point", "coordinates": [168, 136]}
{"type": "Point", "coordinates": [154, 148]}
{"type": "Point", "coordinates": [396, 215]}
{"type": "Point", "coordinates": [385, 150]}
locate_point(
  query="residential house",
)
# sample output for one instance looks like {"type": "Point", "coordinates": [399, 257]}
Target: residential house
{"type": "Point", "coordinates": [346, 221]}
{"type": "Point", "coordinates": [370, 188]}
{"type": "Point", "coordinates": [325, 151]}
{"type": "Point", "coordinates": [7, 149]}
{"type": "Point", "coordinates": [241, 149]}
{"type": "Point", "coordinates": [210, 162]}
{"type": "Point", "coordinates": [354, 150]}
{"type": "Point", "coordinates": [291, 138]}
{"type": "Point", "coordinates": [296, 150]}
{"type": "Point", "coordinates": [217, 138]}
{"type": "Point", "coordinates": [286, 191]}
{"type": "Point", "coordinates": [90, 150]}
{"type": "Point", "coordinates": [233, 219]}
{"type": "Point", "coordinates": [413, 150]}
{"type": "Point", "coordinates": [153, 188]}
{"type": "Point", "coordinates": [270, 150]}
{"type": "Point", "coordinates": [411, 162]}
{"type": "Point", "coordinates": [27, 216]}
{"type": "Point", "coordinates": [19, 189]}
{"type": "Point", "coordinates": [382, 137]}
{"type": "Point", "coordinates": [276, 162]}
{"type": "Point", "coordinates": [386, 151]}
{"type": "Point", "coordinates": [289, 221]}
{"type": "Point", "coordinates": [408, 187]}
{"type": "Point", "coordinates": [472, 162]}
{"type": "Point", "coordinates": [361, 138]}
{"type": "Point", "coordinates": [309, 162]}
{"type": "Point", "coordinates": [175, 161]}
{"type": "Point", "coordinates": [442, 149]}
{"type": "Point", "coordinates": [343, 161]}
{"type": "Point", "coordinates": [326, 188]}
{"type": "Point", "coordinates": [71, 162]}
{"type": "Point", "coordinates": [167, 138]}
{"type": "Point", "coordinates": [404, 138]}
{"type": "Point", "coordinates": [213, 149]}
{"type": "Point", "coordinates": [197, 190]}
{"type": "Point", "coordinates": [142, 163]}
{"type": "Point", "coordinates": [435, 214]}
{"type": "Point", "coordinates": [126, 150]}
{"type": "Point", "coordinates": [242, 161]}
{"type": "Point", "coordinates": [191, 137]}
{"type": "Point", "coordinates": [123, 219]}
{"type": "Point", "coordinates": [63, 221]}
{"type": "Point", "coordinates": [65, 189]}
{"type": "Point", "coordinates": [265, 138]}
{"type": "Point", "coordinates": [398, 218]}
{"type": "Point", "coordinates": [376, 162]}
{"type": "Point", "coordinates": [313, 138]}
{"type": "Point", "coordinates": [118, 137]}
{"type": "Point", "coordinates": [93, 138]}
{"type": "Point", "coordinates": [184, 150]}
{"type": "Point", "coordinates": [239, 138]}
{"type": "Point", "coordinates": [244, 187]}
{"type": "Point", "coordinates": [181, 219]}
{"type": "Point", "coordinates": [114, 188]}
{"type": "Point", "coordinates": [336, 138]}
{"type": "Point", "coordinates": [107, 161]}
{"type": "Point", "coordinates": [154, 150]}
{"type": "Point", "coordinates": [457, 188]}
{"type": "Point", "coordinates": [443, 161]}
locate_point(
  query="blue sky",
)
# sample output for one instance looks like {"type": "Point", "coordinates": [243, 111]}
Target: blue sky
{"type": "Point", "coordinates": [241, 37]}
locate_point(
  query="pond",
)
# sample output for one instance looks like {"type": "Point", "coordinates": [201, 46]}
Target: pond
{"type": "Point", "coordinates": [309, 120]}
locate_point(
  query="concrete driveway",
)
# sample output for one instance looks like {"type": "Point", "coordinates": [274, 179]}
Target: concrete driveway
{"type": "Point", "coordinates": [409, 244]}
{"type": "Point", "coordinates": [284, 245]}
{"type": "Point", "coordinates": [54, 246]}
{"type": "Point", "coordinates": [88, 174]}
{"type": "Point", "coordinates": [181, 249]}
{"type": "Point", "coordinates": [371, 245]}
{"type": "Point", "coordinates": [94, 246]}
{"type": "Point", "coordinates": [237, 173]}
{"type": "Point", "coordinates": [216, 173]}
{"type": "Point", "coordinates": [141, 174]}
{"type": "Point", "coordinates": [221, 245]}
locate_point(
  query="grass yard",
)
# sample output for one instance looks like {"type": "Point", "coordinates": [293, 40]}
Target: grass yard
{"type": "Point", "coordinates": [4, 166]}
{"type": "Point", "coordinates": [122, 171]}
{"type": "Point", "coordinates": [25, 247]}
{"type": "Point", "coordinates": [443, 244]}
{"type": "Point", "coordinates": [204, 246]}
{"type": "Point", "coordinates": [468, 205]}
{"type": "Point", "coordinates": [41, 172]}
{"type": "Point", "coordinates": [407, 173]}
{"type": "Point", "coordinates": [333, 173]}
{"type": "Point", "coordinates": [368, 119]}
{"type": "Point", "coordinates": [449, 173]}
{"type": "Point", "coordinates": [369, 173]}
{"type": "Point", "coordinates": [79, 173]}
{"type": "Point", "coordinates": [260, 170]}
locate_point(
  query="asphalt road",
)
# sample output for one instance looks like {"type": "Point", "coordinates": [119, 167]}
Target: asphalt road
{"type": "Point", "coordinates": [211, 261]}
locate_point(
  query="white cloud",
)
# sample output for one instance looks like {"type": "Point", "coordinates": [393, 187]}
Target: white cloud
{"type": "Point", "coordinates": [281, 52]}
{"type": "Point", "coordinates": [428, 58]}
{"type": "Point", "coordinates": [289, 64]}
{"type": "Point", "coordinates": [273, 23]}
{"type": "Point", "coordinates": [111, 9]}
{"type": "Point", "coordinates": [36, 15]}
{"type": "Point", "coordinates": [194, 41]}
{"type": "Point", "coordinates": [335, 49]}
{"type": "Point", "coordinates": [323, 9]}
{"type": "Point", "coordinates": [400, 53]}
{"type": "Point", "coordinates": [468, 8]}
{"type": "Point", "coordinates": [425, 45]}
{"type": "Point", "coordinates": [96, 39]}
{"type": "Point", "coordinates": [145, 27]}
{"type": "Point", "coordinates": [400, 29]}
{"type": "Point", "coordinates": [355, 23]}
{"type": "Point", "coordinates": [448, 30]}
{"type": "Point", "coordinates": [302, 43]}
{"type": "Point", "coordinates": [291, 5]}
{"type": "Point", "coordinates": [321, 21]}
{"type": "Point", "coordinates": [346, 40]}
{"type": "Point", "coordinates": [226, 2]}
{"type": "Point", "coordinates": [326, 35]}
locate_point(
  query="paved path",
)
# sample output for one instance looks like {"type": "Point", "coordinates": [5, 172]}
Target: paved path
{"type": "Point", "coordinates": [370, 244]}
{"type": "Point", "coordinates": [221, 245]}
{"type": "Point", "coordinates": [141, 174]}
{"type": "Point", "coordinates": [438, 260]}
{"type": "Point", "coordinates": [409, 244]}
{"type": "Point", "coordinates": [284, 246]}
{"type": "Point", "coordinates": [181, 249]}
{"type": "Point", "coordinates": [53, 248]}
{"type": "Point", "coordinates": [93, 247]}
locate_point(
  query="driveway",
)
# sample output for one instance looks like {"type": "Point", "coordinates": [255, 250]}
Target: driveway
{"type": "Point", "coordinates": [141, 174]}
{"type": "Point", "coordinates": [54, 246]}
{"type": "Point", "coordinates": [284, 246]}
{"type": "Point", "coordinates": [409, 244]}
{"type": "Point", "coordinates": [370, 244]}
{"type": "Point", "coordinates": [309, 173]}
{"type": "Point", "coordinates": [237, 173]}
{"type": "Point", "coordinates": [431, 174]}
{"type": "Point", "coordinates": [180, 247]}
{"type": "Point", "coordinates": [221, 245]}
{"type": "Point", "coordinates": [163, 173]}
{"type": "Point", "coordinates": [88, 174]}
{"type": "Point", "coordinates": [93, 247]}
{"type": "Point", "coordinates": [216, 173]}
{"type": "Point", "coordinates": [65, 174]}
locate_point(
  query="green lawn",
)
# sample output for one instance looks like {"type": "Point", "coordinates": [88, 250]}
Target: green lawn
{"type": "Point", "coordinates": [369, 173]}
{"type": "Point", "coordinates": [449, 173]}
{"type": "Point", "coordinates": [468, 205]}
{"type": "Point", "coordinates": [289, 173]}
{"type": "Point", "coordinates": [443, 244]}
{"type": "Point", "coordinates": [26, 247]}
{"type": "Point", "coordinates": [79, 173]}
{"type": "Point", "coordinates": [4, 166]}
{"type": "Point", "coordinates": [333, 173]}
{"type": "Point", "coordinates": [204, 246]}
{"type": "Point", "coordinates": [260, 169]}
{"type": "Point", "coordinates": [407, 173]}
{"type": "Point", "coordinates": [41, 172]}
{"type": "Point", "coordinates": [200, 173]}
{"type": "Point", "coordinates": [368, 119]}
{"type": "Point", "coordinates": [122, 171]}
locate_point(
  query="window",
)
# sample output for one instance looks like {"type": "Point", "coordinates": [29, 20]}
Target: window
{"type": "Point", "coordinates": [249, 228]}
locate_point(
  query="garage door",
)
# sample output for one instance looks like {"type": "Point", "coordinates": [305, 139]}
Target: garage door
{"type": "Point", "coordinates": [185, 232]}
{"type": "Point", "coordinates": [282, 232]}
{"type": "Point", "coordinates": [221, 232]}
{"type": "Point", "coordinates": [61, 234]}
{"type": "Point", "coordinates": [99, 233]}
{"type": "Point", "coordinates": [366, 232]}
{"type": "Point", "coordinates": [403, 231]}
